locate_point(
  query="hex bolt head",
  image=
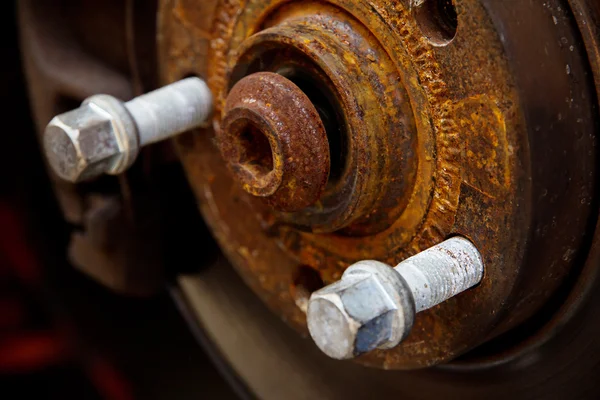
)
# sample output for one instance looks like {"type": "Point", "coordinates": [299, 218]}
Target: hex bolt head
{"type": "Point", "coordinates": [104, 134]}
{"type": "Point", "coordinates": [97, 137]}
{"type": "Point", "coordinates": [368, 308]}
{"type": "Point", "coordinates": [373, 305]}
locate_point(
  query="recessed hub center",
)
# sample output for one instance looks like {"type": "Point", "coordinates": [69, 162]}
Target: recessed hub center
{"type": "Point", "coordinates": [274, 141]}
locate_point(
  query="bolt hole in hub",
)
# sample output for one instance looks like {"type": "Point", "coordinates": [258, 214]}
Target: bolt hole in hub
{"type": "Point", "coordinates": [438, 20]}
{"type": "Point", "coordinates": [306, 280]}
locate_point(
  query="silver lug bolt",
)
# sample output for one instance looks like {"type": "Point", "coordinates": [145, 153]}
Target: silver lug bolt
{"type": "Point", "coordinates": [374, 305]}
{"type": "Point", "coordinates": [104, 135]}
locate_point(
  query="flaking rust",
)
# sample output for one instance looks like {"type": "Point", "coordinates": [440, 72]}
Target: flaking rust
{"type": "Point", "coordinates": [274, 142]}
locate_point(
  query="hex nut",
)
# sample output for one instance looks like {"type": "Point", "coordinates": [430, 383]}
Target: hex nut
{"type": "Point", "coordinates": [370, 307]}
{"type": "Point", "coordinates": [99, 137]}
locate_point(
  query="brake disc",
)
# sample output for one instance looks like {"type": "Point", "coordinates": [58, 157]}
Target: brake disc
{"type": "Point", "coordinates": [475, 118]}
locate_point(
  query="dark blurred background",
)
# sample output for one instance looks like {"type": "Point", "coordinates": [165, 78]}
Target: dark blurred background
{"type": "Point", "coordinates": [62, 336]}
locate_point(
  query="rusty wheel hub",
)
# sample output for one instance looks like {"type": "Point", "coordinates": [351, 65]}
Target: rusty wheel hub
{"type": "Point", "coordinates": [367, 116]}
{"type": "Point", "coordinates": [373, 130]}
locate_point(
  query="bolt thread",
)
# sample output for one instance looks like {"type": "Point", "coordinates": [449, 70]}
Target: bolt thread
{"type": "Point", "coordinates": [441, 272]}
{"type": "Point", "coordinates": [171, 110]}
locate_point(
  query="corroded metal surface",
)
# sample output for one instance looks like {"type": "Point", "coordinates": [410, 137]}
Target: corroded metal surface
{"type": "Point", "coordinates": [274, 142]}
{"type": "Point", "coordinates": [370, 126]}
{"type": "Point", "coordinates": [479, 134]}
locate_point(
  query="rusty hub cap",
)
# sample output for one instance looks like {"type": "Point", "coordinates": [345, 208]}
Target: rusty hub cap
{"type": "Point", "coordinates": [274, 141]}
{"type": "Point", "coordinates": [435, 126]}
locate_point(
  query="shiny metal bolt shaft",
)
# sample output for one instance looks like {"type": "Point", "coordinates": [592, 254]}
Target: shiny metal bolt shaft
{"type": "Point", "coordinates": [104, 135]}
{"type": "Point", "coordinates": [374, 305]}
